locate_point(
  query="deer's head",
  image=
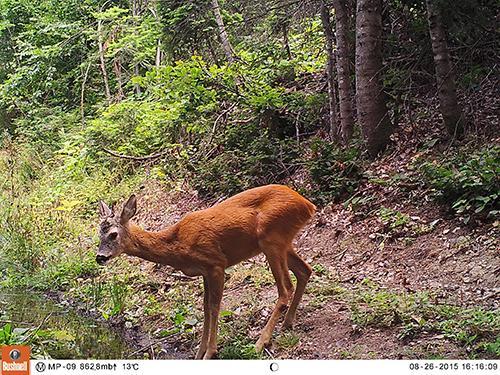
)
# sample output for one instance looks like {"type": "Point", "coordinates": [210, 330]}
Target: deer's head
{"type": "Point", "coordinates": [114, 230]}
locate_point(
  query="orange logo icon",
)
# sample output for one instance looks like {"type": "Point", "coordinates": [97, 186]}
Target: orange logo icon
{"type": "Point", "coordinates": [15, 360]}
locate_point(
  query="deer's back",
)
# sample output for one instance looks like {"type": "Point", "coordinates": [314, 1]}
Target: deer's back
{"type": "Point", "coordinates": [238, 224]}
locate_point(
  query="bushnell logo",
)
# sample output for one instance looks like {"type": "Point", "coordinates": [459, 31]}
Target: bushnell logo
{"type": "Point", "coordinates": [15, 360]}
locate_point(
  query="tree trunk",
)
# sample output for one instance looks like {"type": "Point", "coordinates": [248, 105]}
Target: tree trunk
{"type": "Point", "coordinates": [159, 53]}
{"type": "Point", "coordinates": [373, 117]}
{"type": "Point", "coordinates": [226, 44]}
{"type": "Point", "coordinates": [211, 49]}
{"type": "Point", "coordinates": [117, 68]}
{"type": "Point", "coordinates": [286, 44]}
{"type": "Point", "coordinates": [452, 114]}
{"type": "Point", "coordinates": [343, 70]}
{"type": "Point", "coordinates": [330, 69]}
{"type": "Point", "coordinates": [158, 57]}
{"type": "Point", "coordinates": [102, 60]}
{"type": "Point", "coordinates": [82, 93]}
{"type": "Point", "coordinates": [136, 11]}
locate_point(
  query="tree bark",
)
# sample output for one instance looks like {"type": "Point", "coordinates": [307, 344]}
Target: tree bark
{"type": "Point", "coordinates": [159, 53]}
{"type": "Point", "coordinates": [136, 11]}
{"type": "Point", "coordinates": [452, 114]}
{"type": "Point", "coordinates": [158, 56]}
{"type": "Point", "coordinates": [102, 60]}
{"type": "Point", "coordinates": [82, 93]}
{"type": "Point", "coordinates": [343, 70]}
{"type": "Point", "coordinates": [286, 44]}
{"type": "Point", "coordinates": [226, 44]}
{"type": "Point", "coordinates": [117, 68]}
{"type": "Point", "coordinates": [373, 117]}
{"type": "Point", "coordinates": [330, 71]}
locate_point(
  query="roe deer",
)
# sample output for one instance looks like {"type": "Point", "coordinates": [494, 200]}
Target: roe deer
{"type": "Point", "coordinates": [204, 243]}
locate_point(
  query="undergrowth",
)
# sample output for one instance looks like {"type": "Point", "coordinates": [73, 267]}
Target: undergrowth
{"type": "Point", "coordinates": [466, 182]}
{"type": "Point", "coordinates": [476, 329]}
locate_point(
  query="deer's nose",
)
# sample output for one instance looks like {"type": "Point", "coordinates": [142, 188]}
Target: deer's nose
{"type": "Point", "coordinates": [101, 259]}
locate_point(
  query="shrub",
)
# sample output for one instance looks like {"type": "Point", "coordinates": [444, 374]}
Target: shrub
{"type": "Point", "coordinates": [467, 183]}
{"type": "Point", "coordinates": [335, 172]}
{"type": "Point", "coordinates": [249, 158]}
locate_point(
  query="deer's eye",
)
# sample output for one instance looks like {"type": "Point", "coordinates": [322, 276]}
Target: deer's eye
{"type": "Point", "coordinates": [112, 236]}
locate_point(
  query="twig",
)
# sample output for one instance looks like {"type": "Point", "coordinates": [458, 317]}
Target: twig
{"type": "Point", "coordinates": [214, 127]}
{"type": "Point", "coordinates": [268, 352]}
{"type": "Point", "coordinates": [341, 255]}
{"type": "Point", "coordinates": [82, 94]}
{"type": "Point", "coordinates": [363, 258]}
{"type": "Point", "coordinates": [136, 158]}
{"type": "Point", "coordinates": [14, 322]}
{"type": "Point", "coordinates": [180, 276]}
{"type": "Point", "coordinates": [151, 344]}
{"type": "Point", "coordinates": [37, 328]}
{"type": "Point", "coordinates": [152, 351]}
{"type": "Point", "coordinates": [246, 121]}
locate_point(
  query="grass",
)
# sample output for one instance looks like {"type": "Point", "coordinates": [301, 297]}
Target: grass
{"type": "Point", "coordinates": [287, 340]}
{"type": "Point", "coordinates": [39, 340]}
{"type": "Point", "coordinates": [48, 221]}
{"type": "Point", "coordinates": [475, 329]}
{"type": "Point", "coordinates": [256, 274]}
{"type": "Point", "coordinates": [239, 347]}
{"type": "Point", "coordinates": [322, 288]}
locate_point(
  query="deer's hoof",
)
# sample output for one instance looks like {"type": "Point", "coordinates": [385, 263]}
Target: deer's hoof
{"type": "Point", "coordinates": [210, 354]}
{"type": "Point", "coordinates": [259, 346]}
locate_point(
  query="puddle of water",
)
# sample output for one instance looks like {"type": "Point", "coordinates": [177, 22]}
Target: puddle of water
{"type": "Point", "coordinates": [81, 337]}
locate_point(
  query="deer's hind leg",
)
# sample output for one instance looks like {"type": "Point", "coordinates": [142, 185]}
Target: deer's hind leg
{"type": "Point", "coordinates": [302, 272]}
{"type": "Point", "coordinates": [277, 259]}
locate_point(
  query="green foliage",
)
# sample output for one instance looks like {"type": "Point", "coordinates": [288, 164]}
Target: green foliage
{"type": "Point", "coordinates": [118, 292]}
{"type": "Point", "coordinates": [186, 25]}
{"type": "Point", "coordinates": [7, 336]}
{"type": "Point", "coordinates": [467, 183]}
{"type": "Point", "coordinates": [250, 158]}
{"type": "Point", "coordinates": [238, 347]}
{"type": "Point", "coordinates": [182, 319]}
{"type": "Point", "coordinates": [134, 128]}
{"type": "Point", "coordinates": [335, 172]}
{"type": "Point", "coordinates": [384, 308]}
{"type": "Point", "coordinates": [393, 218]}
{"type": "Point", "coordinates": [287, 340]}
{"type": "Point", "coordinates": [39, 67]}
{"type": "Point", "coordinates": [45, 211]}
{"type": "Point", "coordinates": [359, 203]}
{"type": "Point", "coordinates": [40, 340]}
{"type": "Point", "coordinates": [493, 347]}
{"type": "Point", "coordinates": [320, 269]}
{"type": "Point", "coordinates": [474, 328]}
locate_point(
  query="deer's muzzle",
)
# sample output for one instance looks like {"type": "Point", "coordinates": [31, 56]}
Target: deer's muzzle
{"type": "Point", "coordinates": [102, 259]}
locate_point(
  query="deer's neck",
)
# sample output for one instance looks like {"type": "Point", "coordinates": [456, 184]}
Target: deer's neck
{"type": "Point", "coordinates": [159, 247]}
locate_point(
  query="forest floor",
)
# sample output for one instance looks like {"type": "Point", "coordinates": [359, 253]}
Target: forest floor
{"type": "Point", "coordinates": [395, 276]}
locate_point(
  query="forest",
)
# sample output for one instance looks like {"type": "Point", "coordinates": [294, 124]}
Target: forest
{"type": "Point", "coordinates": [383, 113]}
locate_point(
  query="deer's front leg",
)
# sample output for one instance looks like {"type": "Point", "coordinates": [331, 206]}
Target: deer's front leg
{"type": "Point", "coordinates": [206, 322]}
{"type": "Point", "coordinates": [215, 284]}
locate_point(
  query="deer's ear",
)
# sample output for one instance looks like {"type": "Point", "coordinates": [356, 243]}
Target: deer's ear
{"type": "Point", "coordinates": [104, 210]}
{"type": "Point", "coordinates": [129, 210]}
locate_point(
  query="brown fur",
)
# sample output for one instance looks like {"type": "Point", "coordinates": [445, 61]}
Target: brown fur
{"type": "Point", "coordinates": [260, 220]}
